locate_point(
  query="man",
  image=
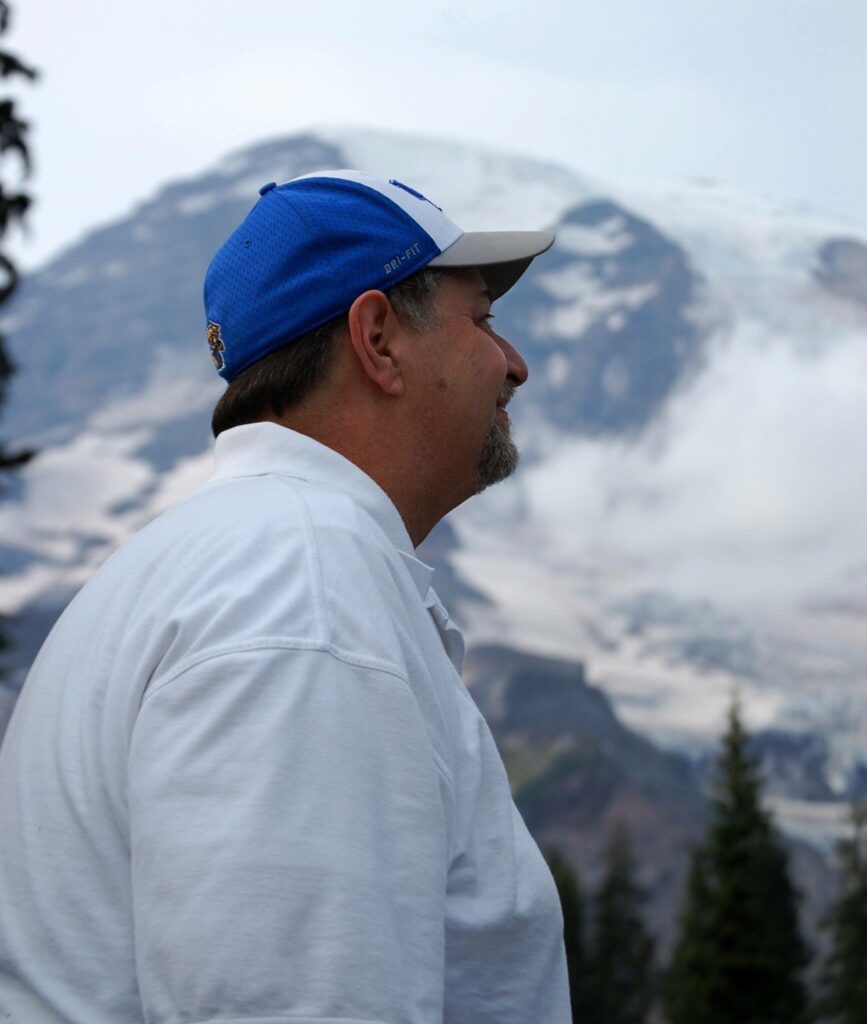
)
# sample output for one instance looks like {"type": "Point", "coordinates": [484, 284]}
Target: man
{"type": "Point", "coordinates": [244, 780]}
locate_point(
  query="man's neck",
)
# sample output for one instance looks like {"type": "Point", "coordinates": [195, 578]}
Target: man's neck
{"type": "Point", "coordinates": [421, 502]}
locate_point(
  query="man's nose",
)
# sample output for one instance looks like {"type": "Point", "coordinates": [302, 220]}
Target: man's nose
{"type": "Point", "coordinates": [517, 368]}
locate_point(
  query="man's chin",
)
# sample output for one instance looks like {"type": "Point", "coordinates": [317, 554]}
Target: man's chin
{"type": "Point", "coordinates": [499, 457]}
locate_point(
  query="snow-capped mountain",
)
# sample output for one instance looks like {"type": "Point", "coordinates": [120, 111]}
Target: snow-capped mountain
{"type": "Point", "coordinates": [687, 520]}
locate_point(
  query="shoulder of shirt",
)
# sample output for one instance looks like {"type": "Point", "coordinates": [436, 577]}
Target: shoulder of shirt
{"type": "Point", "coordinates": [272, 646]}
{"type": "Point", "coordinates": [275, 556]}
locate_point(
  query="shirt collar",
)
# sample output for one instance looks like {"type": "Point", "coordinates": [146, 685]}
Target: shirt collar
{"type": "Point", "coordinates": [257, 449]}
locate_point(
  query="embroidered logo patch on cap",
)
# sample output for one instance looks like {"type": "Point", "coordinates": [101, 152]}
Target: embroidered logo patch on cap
{"type": "Point", "coordinates": [215, 344]}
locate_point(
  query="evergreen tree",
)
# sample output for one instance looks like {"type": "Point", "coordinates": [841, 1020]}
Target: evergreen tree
{"type": "Point", "coordinates": [13, 206]}
{"type": "Point", "coordinates": [740, 955]}
{"type": "Point", "coordinates": [843, 996]}
{"type": "Point", "coordinates": [572, 902]}
{"type": "Point", "coordinates": [622, 979]}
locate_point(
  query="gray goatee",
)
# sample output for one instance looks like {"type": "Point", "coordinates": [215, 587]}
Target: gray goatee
{"type": "Point", "coordinates": [500, 454]}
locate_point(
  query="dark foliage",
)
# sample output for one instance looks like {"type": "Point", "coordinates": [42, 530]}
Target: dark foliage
{"type": "Point", "coordinates": [572, 903]}
{"type": "Point", "coordinates": [740, 956]}
{"type": "Point", "coordinates": [621, 955]}
{"type": "Point", "coordinates": [843, 997]}
{"type": "Point", "coordinates": [611, 975]}
{"type": "Point", "coordinates": [14, 203]}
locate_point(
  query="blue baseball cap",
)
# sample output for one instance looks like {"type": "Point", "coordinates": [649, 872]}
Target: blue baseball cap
{"type": "Point", "coordinates": [311, 246]}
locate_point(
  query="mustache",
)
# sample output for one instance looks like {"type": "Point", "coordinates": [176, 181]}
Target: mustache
{"type": "Point", "coordinates": [507, 393]}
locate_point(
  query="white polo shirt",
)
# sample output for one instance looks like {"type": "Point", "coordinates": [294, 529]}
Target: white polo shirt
{"type": "Point", "coordinates": [245, 782]}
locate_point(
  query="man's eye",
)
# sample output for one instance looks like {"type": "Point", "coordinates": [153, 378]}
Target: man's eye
{"type": "Point", "coordinates": [486, 319]}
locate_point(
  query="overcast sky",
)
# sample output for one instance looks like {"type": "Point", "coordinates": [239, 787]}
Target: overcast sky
{"type": "Point", "coordinates": [770, 95]}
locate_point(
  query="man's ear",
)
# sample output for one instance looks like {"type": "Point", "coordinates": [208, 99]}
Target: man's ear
{"type": "Point", "coordinates": [372, 329]}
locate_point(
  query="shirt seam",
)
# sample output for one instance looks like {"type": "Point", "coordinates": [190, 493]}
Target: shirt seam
{"type": "Point", "coordinates": [299, 644]}
{"type": "Point", "coordinates": [271, 1019]}
{"type": "Point", "coordinates": [219, 477]}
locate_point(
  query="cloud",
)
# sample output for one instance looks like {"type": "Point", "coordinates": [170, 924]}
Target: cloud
{"type": "Point", "coordinates": [751, 492]}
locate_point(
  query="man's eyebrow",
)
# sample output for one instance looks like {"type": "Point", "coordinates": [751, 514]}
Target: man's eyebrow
{"type": "Point", "coordinates": [485, 293]}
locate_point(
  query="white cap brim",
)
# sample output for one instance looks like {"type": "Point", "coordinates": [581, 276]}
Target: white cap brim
{"type": "Point", "coordinates": [500, 256]}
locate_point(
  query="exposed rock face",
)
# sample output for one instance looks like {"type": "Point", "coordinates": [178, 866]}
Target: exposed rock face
{"type": "Point", "coordinates": [843, 268]}
{"type": "Point", "coordinates": [577, 773]}
{"type": "Point", "coordinates": [605, 320]}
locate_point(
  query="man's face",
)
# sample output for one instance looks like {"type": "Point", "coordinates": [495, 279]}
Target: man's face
{"type": "Point", "coordinates": [470, 373]}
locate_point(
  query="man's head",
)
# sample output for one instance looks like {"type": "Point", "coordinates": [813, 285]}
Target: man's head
{"type": "Point", "coordinates": [354, 311]}
{"type": "Point", "coordinates": [280, 384]}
